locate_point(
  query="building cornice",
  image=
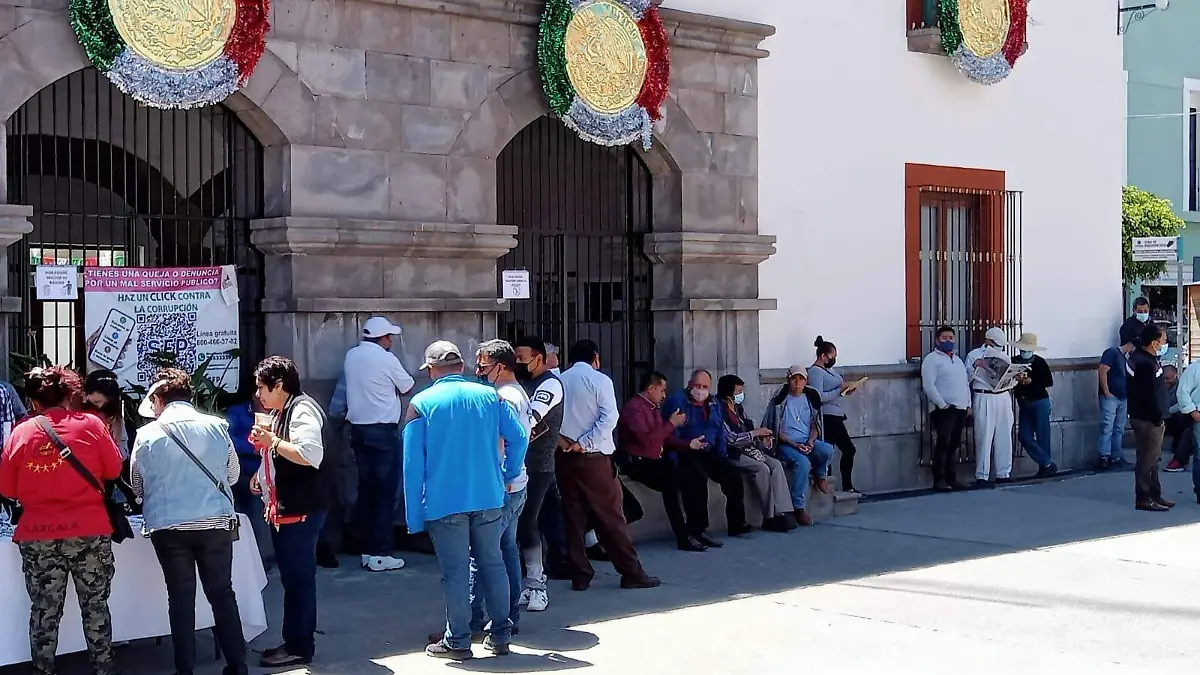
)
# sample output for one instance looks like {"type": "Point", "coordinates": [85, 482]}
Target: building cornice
{"type": "Point", "coordinates": [709, 247]}
{"type": "Point", "coordinates": [296, 235]}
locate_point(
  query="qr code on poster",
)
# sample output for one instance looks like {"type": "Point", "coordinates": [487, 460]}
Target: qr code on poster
{"type": "Point", "coordinates": [173, 333]}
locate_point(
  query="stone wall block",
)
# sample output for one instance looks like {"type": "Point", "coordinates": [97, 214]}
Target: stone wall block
{"type": "Point", "coordinates": [48, 48]}
{"type": "Point", "coordinates": [335, 277]}
{"type": "Point", "coordinates": [431, 130]}
{"type": "Point", "coordinates": [741, 115]}
{"type": "Point", "coordinates": [710, 202]}
{"type": "Point", "coordinates": [691, 151]}
{"type": "Point", "coordinates": [737, 75]}
{"type": "Point", "coordinates": [523, 46]}
{"type": "Point", "coordinates": [402, 79]}
{"type": "Point", "coordinates": [430, 35]}
{"type": "Point", "coordinates": [308, 20]}
{"type": "Point", "coordinates": [340, 183]}
{"type": "Point", "coordinates": [479, 41]}
{"type": "Point", "coordinates": [334, 70]}
{"type": "Point", "coordinates": [18, 83]}
{"type": "Point", "coordinates": [291, 106]}
{"type": "Point", "coordinates": [748, 205]}
{"type": "Point", "coordinates": [471, 194]}
{"type": "Point", "coordinates": [445, 278]}
{"type": "Point", "coordinates": [711, 279]}
{"type": "Point", "coordinates": [418, 186]}
{"type": "Point", "coordinates": [377, 27]}
{"type": "Point", "coordinates": [287, 51]}
{"type": "Point", "coordinates": [735, 155]}
{"type": "Point", "coordinates": [459, 85]}
{"type": "Point", "coordinates": [693, 69]}
{"type": "Point", "coordinates": [365, 125]}
{"type": "Point", "coordinates": [706, 109]}
{"type": "Point", "coordinates": [524, 98]}
{"type": "Point", "coordinates": [489, 126]}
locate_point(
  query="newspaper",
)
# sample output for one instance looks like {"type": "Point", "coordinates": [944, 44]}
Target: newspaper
{"type": "Point", "coordinates": [998, 375]}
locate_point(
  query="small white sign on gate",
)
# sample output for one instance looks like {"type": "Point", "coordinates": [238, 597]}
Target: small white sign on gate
{"type": "Point", "coordinates": [1155, 249]}
{"type": "Point", "coordinates": [57, 282]}
{"type": "Point", "coordinates": [514, 284]}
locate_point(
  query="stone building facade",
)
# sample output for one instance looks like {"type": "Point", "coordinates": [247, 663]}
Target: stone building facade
{"type": "Point", "coordinates": [381, 124]}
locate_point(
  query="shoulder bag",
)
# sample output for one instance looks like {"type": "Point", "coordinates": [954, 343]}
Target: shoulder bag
{"type": "Point", "coordinates": [235, 522]}
{"type": "Point", "coordinates": [116, 512]}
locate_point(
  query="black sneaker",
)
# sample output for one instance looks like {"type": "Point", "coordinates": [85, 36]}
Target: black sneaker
{"type": "Point", "coordinates": [596, 552]}
{"type": "Point", "coordinates": [956, 486]}
{"type": "Point", "coordinates": [741, 530]}
{"type": "Point", "coordinates": [1004, 481]}
{"type": "Point", "coordinates": [441, 650]}
{"type": "Point", "coordinates": [1103, 464]}
{"type": "Point", "coordinates": [708, 541]}
{"type": "Point", "coordinates": [690, 544]}
{"type": "Point", "coordinates": [1048, 471]}
{"type": "Point", "coordinates": [981, 484]}
{"type": "Point", "coordinates": [496, 649]}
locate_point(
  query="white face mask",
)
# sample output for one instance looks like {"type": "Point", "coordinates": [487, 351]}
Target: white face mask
{"type": "Point", "coordinates": [1162, 350]}
{"type": "Point", "coordinates": [699, 394]}
{"type": "Point", "coordinates": [739, 398]}
{"type": "Point", "coordinates": [555, 371]}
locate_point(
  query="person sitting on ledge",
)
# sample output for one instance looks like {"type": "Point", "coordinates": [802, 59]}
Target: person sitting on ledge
{"type": "Point", "coordinates": [794, 417]}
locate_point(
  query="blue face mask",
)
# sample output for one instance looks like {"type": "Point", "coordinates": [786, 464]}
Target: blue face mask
{"type": "Point", "coordinates": [1026, 354]}
{"type": "Point", "coordinates": [946, 346]}
{"type": "Point", "coordinates": [1162, 350]}
{"type": "Point", "coordinates": [1142, 316]}
{"type": "Point", "coordinates": [739, 398]}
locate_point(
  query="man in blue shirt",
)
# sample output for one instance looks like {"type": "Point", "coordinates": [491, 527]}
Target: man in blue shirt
{"type": "Point", "coordinates": [701, 441]}
{"type": "Point", "coordinates": [454, 485]}
{"type": "Point", "coordinates": [1113, 406]}
{"type": "Point", "coordinates": [793, 416]}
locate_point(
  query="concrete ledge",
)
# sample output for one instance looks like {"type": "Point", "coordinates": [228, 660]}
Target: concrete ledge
{"type": "Point", "coordinates": [893, 371]}
{"type": "Point", "coordinates": [385, 305]}
{"type": "Point", "coordinates": [928, 40]}
{"type": "Point", "coordinates": [713, 304]}
{"type": "Point", "coordinates": [709, 247]}
{"type": "Point", "coordinates": [297, 235]}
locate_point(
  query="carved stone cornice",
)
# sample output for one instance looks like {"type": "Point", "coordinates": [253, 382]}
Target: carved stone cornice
{"type": "Point", "coordinates": [14, 223]}
{"type": "Point", "coordinates": [383, 305]}
{"type": "Point", "coordinates": [709, 247]}
{"type": "Point", "coordinates": [297, 235]}
{"type": "Point", "coordinates": [687, 29]}
{"type": "Point", "coordinates": [713, 304]}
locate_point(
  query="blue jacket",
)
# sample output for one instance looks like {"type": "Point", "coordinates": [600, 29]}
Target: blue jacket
{"type": "Point", "coordinates": [702, 420]}
{"type": "Point", "coordinates": [241, 419]}
{"type": "Point", "coordinates": [452, 457]}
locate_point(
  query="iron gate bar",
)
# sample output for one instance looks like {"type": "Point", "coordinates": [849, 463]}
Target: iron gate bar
{"type": "Point", "coordinates": [582, 211]}
{"type": "Point", "coordinates": [127, 209]}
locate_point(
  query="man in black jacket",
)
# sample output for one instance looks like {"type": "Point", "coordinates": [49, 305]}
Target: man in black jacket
{"type": "Point", "coordinates": [1033, 404]}
{"type": "Point", "coordinates": [1147, 409]}
{"type": "Point", "coordinates": [1131, 330]}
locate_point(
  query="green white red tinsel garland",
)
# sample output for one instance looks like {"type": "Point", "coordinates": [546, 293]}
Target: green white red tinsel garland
{"type": "Point", "coordinates": [163, 87]}
{"type": "Point", "coordinates": [621, 128]}
{"type": "Point", "coordinates": [981, 69]}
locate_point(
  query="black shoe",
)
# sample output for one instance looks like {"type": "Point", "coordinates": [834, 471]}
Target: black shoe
{"type": "Point", "coordinates": [741, 530]}
{"type": "Point", "coordinates": [1004, 481]}
{"type": "Point", "coordinates": [690, 544]}
{"type": "Point", "coordinates": [1104, 464]}
{"type": "Point", "coordinates": [956, 486]}
{"type": "Point", "coordinates": [596, 552]}
{"type": "Point", "coordinates": [441, 650]}
{"type": "Point", "coordinates": [708, 541]}
{"type": "Point", "coordinates": [941, 486]}
{"type": "Point", "coordinates": [283, 660]}
{"type": "Point", "coordinates": [326, 557]}
{"type": "Point", "coordinates": [1047, 471]}
{"type": "Point", "coordinates": [779, 524]}
{"type": "Point", "coordinates": [494, 648]}
{"type": "Point", "coordinates": [983, 485]}
{"type": "Point", "coordinates": [644, 582]}
{"type": "Point", "coordinates": [1151, 506]}
{"type": "Point", "coordinates": [580, 586]}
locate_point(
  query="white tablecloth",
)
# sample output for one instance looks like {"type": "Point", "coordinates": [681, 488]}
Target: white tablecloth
{"type": "Point", "coordinates": [138, 601]}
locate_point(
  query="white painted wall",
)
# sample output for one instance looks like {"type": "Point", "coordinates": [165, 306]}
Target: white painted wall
{"type": "Point", "coordinates": [843, 106]}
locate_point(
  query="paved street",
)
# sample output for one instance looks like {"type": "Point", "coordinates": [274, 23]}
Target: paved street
{"type": "Point", "coordinates": [1042, 578]}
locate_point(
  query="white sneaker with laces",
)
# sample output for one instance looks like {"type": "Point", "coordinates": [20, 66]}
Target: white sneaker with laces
{"type": "Point", "coordinates": [382, 563]}
{"type": "Point", "coordinates": [525, 597]}
{"type": "Point", "coordinates": [539, 600]}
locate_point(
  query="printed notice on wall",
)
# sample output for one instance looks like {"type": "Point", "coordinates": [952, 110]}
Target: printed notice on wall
{"type": "Point", "coordinates": [514, 284]}
{"type": "Point", "coordinates": [57, 282]}
{"type": "Point", "coordinates": [136, 316]}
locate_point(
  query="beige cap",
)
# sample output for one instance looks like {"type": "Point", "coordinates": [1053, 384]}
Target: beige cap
{"type": "Point", "coordinates": [441, 353]}
{"type": "Point", "coordinates": [797, 370]}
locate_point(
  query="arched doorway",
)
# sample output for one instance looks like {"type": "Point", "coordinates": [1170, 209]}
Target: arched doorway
{"type": "Point", "coordinates": [582, 212]}
{"type": "Point", "coordinates": [114, 183]}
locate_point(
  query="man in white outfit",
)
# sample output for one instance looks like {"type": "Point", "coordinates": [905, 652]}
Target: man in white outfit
{"type": "Point", "coordinates": [993, 413]}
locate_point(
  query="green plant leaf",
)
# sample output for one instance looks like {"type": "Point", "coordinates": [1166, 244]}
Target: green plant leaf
{"type": "Point", "coordinates": [1144, 215]}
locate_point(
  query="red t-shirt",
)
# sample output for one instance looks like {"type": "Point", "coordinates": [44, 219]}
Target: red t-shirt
{"type": "Point", "coordinates": [58, 502]}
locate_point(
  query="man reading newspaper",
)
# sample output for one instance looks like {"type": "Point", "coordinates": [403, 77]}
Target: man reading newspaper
{"type": "Point", "coordinates": [993, 376]}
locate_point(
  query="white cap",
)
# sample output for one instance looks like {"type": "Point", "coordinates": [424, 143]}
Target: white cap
{"type": "Point", "coordinates": [146, 407]}
{"type": "Point", "coordinates": [377, 327]}
{"type": "Point", "coordinates": [997, 335]}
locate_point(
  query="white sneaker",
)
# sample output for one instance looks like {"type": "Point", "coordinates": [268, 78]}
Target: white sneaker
{"type": "Point", "coordinates": [539, 600]}
{"type": "Point", "coordinates": [382, 563]}
{"type": "Point", "coordinates": [525, 597]}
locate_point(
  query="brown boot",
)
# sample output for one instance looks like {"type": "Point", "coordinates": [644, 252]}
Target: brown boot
{"type": "Point", "coordinates": [803, 518]}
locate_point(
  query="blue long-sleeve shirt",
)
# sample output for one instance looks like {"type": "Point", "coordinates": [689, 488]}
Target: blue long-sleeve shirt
{"type": "Point", "coordinates": [702, 420]}
{"type": "Point", "coordinates": [452, 457]}
{"type": "Point", "coordinates": [241, 419]}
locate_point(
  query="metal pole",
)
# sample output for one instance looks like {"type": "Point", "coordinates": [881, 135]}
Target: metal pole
{"type": "Point", "coordinates": [1179, 313]}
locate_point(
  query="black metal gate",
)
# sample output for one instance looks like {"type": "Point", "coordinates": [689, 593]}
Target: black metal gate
{"type": "Point", "coordinates": [583, 211]}
{"type": "Point", "coordinates": [114, 183]}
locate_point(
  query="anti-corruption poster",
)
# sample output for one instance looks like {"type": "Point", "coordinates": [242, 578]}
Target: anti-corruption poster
{"type": "Point", "coordinates": [134, 316]}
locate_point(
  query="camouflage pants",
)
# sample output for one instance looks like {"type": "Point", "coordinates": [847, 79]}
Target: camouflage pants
{"type": "Point", "coordinates": [47, 564]}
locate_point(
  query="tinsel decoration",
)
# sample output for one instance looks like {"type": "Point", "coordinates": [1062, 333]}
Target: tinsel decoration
{"type": "Point", "coordinates": [635, 122]}
{"type": "Point", "coordinates": [983, 69]}
{"type": "Point", "coordinates": [159, 85]}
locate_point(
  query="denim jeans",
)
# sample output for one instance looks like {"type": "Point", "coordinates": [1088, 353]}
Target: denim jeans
{"type": "Point", "coordinates": [800, 466]}
{"type": "Point", "coordinates": [1034, 430]}
{"type": "Point", "coordinates": [296, 557]}
{"type": "Point", "coordinates": [514, 502]}
{"type": "Point", "coordinates": [1114, 416]}
{"type": "Point", "coordinates": [1196, 457]}
{"type": "Point", "coordinates": [456, 539]}
{"type": "Point", "coordinates": [377, 454]}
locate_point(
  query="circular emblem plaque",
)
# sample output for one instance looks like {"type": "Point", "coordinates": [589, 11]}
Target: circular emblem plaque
{"type": "Point", "coordinates": [985, 25]}
{"type": "Point", "coordinates": [175, 34]}
{"type": "Point", "coordinates": [606, 58]}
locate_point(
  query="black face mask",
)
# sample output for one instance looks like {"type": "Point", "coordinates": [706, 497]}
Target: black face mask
{"type": "Point", "coordinates": [831, 363]}
{"type": "Point", "coordinates": [521, 372]}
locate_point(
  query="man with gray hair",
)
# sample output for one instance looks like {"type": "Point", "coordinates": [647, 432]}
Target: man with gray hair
{"type": "Point", "coordinates": [993, 412]}
{"type": "Point", "coordinates": [552, 359]}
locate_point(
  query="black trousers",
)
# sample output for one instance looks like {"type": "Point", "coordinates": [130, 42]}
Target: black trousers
{"type": "Point", "coordinates": [1179, 428]}
{"type": "Point", "coordinates": [837, 436]}
{"type": "Point", "coordinates": [947, 429]}
{"type": "Point", "coordinates": [724, 473]}
{"type": "Point", "coordinates": [210, 552]}
{"type": "Point", "coordinates": [679, 484]}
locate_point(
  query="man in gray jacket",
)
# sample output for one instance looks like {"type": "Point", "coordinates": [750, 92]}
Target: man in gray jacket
{"type": "Point", "coordinates": [944, 381]}
{"type": "Point", "coordinates": [183, 465]}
